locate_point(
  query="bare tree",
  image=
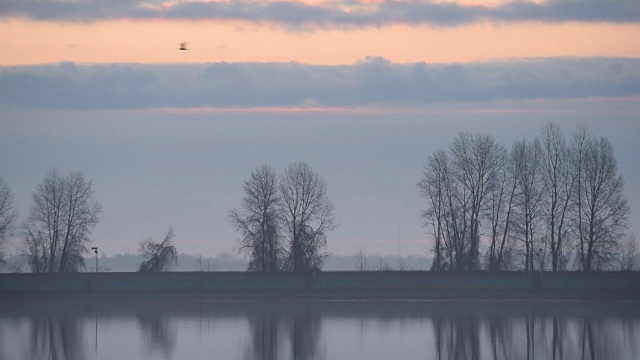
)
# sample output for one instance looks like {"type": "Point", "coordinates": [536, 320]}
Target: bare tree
{"type": "Point", "coordinates": [559, 183]}
{"type": "Point", "coordinates": [159, 256]}
{"type": "Point", "coordinates": [476, 160]}
{"type": "Point", "coordinates": [259, 221]}
{"type": "Point", "coordinates": [460, 189]}
{"type": "Point", "coordinates": [500, 212]}
{"type": "Point", "coordinates": [307, 216]}
{"type": "Point", "coordinates": [8, 217]}
{"type": "Point", "coordinates": [382, 265]}
{"type": "Point", "coordinates": [56, 233]}
{"type": "Point", "coordinates": [456, 240]}
{"type": "Point", "coordinates": [526, 158]}
{"type": "Point", "coordinates": [432, 186]}
{"type": "Point", "coordinates": [402, 264]}
{"type": "Point", "coordinates": [602, 210]}
{"type": "Point", "coordinates": [629, 254]}
{"type": "Point", "coordinates": [447, 214]}
{"type": "Point", "coordinates": [205, 265]}
{"type": "Point", "coordinates": [361, 261]}
{"type": "Point", "coordinates": [580, 141]}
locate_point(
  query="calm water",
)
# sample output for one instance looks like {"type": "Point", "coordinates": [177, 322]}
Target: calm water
{"type": "Point", "coordinates": [194, 329]}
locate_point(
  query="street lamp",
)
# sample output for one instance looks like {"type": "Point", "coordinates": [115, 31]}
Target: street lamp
{"type": "Point", "coordinates": [95, 249]}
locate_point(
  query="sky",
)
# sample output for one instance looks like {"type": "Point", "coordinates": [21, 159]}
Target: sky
{"type": "Point", "coordinates": [363, 91]}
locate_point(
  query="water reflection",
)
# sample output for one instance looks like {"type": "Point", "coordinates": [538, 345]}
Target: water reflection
{"type": "Point", "coordinates": [56, 338]}
{"type": "Point", "coordinates": [457, 339]}
{"type": "Point", "coordinates": [270, 333]}
{"type": "Point", "coordinates": [535, 337]}
{"type": "Point", "coordinates": [318, 330]}
{"type": "Point", "coordinates": [265, 334]}
{"type": "Point", "coordinates": [160, 334]}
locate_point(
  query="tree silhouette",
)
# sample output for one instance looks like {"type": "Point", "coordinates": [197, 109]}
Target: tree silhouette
{"type": "Point", "coordinates": [159, 256]}
{"type": "Point", "coordinates": [8, 216]}
{"type": "Point", "coordinates": [56, 233]}
{"type": "Point", "coordinates": [260, 221]}
{"type": "Point", "coordinates": [307, 216]}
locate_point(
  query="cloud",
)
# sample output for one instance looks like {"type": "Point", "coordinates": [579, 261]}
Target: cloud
{"type": "Point", "coordinates": [347, 13]}
{"type": "Point", "coordinates": [373, 81]}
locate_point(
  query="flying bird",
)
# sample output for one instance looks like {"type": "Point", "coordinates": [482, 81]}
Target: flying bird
{"type": "Point", "coordinates": [183, 46]}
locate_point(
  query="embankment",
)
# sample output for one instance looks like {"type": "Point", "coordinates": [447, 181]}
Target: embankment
{"type": "Point", "coordinates": [328, 285]}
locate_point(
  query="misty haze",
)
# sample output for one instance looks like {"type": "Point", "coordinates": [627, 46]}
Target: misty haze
{"type": "Point", "coordinates": [320, 180]}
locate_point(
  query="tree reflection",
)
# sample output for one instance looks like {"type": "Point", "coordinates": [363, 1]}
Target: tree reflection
{"type": "Point", "coordinates": [457, 338]}
{"type": "Point", "coordinates": [500, 336]}
{"type": "Point", "coordinates": [531, 337]}
{"type": "Point", "coordinates": [304, 332]}
{"type": "Point", "coordinates": [56, 338]}
{"type": "Point", "coordinates": [597, 341]}
{"type": "Point", "coordinates": [265, 333]}
{"type": "Point", "coordinates": [160, 334]}
{"type": "Point", "coordinates": [557, 339]}
{"type": "Point", "coordinates": [296, 330]}
{"type": "Point", "coordinates": [270, 333]}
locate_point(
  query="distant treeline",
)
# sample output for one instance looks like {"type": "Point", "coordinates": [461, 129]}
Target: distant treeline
{"type": "Point", "coordinates": [229, 262]}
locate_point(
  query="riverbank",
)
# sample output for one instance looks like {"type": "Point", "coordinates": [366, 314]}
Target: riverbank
{"type": "Point", "coordinates": [328, 285]}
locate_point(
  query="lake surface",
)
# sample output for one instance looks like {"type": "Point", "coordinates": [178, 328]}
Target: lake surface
{"type": "Point", "coordinates": [200, 329]}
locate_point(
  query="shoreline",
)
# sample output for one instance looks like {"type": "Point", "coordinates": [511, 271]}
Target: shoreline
{"type": "Point", "coordinates": [339, 285]}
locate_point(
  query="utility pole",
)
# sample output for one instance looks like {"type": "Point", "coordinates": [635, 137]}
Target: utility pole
{"type": "Point", "coordinates": [95, 249]}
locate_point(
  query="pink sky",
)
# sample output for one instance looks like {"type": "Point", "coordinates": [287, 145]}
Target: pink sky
{"type": "Point", "coordinates": [156, 41]}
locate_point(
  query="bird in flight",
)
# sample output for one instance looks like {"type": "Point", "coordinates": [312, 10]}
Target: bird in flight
{"type": "Point", "coordinates": [183, 46]}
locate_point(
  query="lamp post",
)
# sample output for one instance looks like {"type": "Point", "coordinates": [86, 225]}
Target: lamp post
{"type": "Point", "coordinates": [95, 249]}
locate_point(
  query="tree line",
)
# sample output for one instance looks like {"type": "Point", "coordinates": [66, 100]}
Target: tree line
{"type": "Point", "coordinates": [529, 207]}
{"type": "Point", "coordinates": [547, 203]}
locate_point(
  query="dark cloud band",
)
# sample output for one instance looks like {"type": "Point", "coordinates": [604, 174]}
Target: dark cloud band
{"type": "Point", "coordinates": [374, 81]}
{"type": "Point", "coordinates": [345, 14]}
